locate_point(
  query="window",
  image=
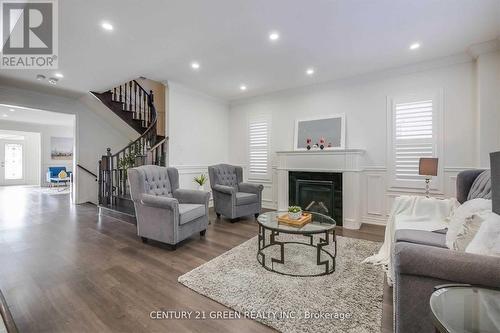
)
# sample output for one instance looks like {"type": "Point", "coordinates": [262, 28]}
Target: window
{"type": "Point", "coordinates": [258, 149]}
{"type": "Point", "coordinates": [414, 124]}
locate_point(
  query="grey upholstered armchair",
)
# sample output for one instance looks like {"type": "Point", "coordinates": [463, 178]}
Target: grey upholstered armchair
{"type": "Point", "coordinates": [164, 212]}
{"type": "Point", "coordinates": [232, 197]}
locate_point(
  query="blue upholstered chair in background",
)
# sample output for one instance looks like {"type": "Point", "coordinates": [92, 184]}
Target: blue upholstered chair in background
{"type": "Point", "coordinates": [53, 175]}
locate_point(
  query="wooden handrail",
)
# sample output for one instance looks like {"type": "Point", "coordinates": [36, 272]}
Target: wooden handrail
{"type": "Point", "coordinates": [87, 170]}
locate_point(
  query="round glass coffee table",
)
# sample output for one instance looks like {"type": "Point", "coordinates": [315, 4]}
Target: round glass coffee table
{"type": "Point", "coordinates": [465, 308]}
{"type": "Point", "coordinates": [309, 250]}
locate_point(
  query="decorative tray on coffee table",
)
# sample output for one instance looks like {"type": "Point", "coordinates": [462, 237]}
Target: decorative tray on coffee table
{"type": "Point", "coordinates": [302, 221]}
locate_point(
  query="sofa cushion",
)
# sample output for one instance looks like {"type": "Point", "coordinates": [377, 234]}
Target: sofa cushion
{"type": "Point", "coordinates": [420, 237]}
{"type": "Point", "coordinates": [190, 212]}
{"type": "Point", "coordinates": [468, 231]}
{"type": "Point", "coordinates": [243, 198]}
{"type": "Point", "coordinates": [487, 239]}
{"type": "Point", "coordinates": [459, 217]}
{"type": "Point", "coordinates": [481, 188]}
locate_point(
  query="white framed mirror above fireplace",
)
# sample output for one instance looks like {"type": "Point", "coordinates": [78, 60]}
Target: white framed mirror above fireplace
{"type": "Point", "coordinates": [320, 133]}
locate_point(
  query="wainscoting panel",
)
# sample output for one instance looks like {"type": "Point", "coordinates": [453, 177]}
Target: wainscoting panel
{"type": "Point", "coordinates": [187, 174]}
{"type": "Point", "coordinates": [376, 198]}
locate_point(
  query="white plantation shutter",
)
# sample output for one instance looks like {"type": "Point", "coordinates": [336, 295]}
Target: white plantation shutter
{"type": "Point", "coordinates": [258, 149]}
{"type": "Point", "coordinates": [413, 136]}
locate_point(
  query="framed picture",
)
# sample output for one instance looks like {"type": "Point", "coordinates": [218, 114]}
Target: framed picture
{"type": "Point", "coordinates": [329, 131]}
{"type": "Point", "coordinates": [61, 148]}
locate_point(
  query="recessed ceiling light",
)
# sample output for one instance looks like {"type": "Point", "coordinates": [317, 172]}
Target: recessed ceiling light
{"type": "Point", "coordinates": [107, 26]}
{"type": "Point", "coordinates": [195, 65]}
{"type": "Point", "coordinates": [414, 46]}
{"type": "Point", "coordinates": [53, 80]}
{"type": "Point", "coordinates": [243, 87]}
{"type": "Point", "coordinates": [274, 36]}
{"type": "Point", "coordinates": [59, 75]}
{"type": "Point", "coordinates": [310, 71]}
{"type": "Point", "coordinates": [12, 110]}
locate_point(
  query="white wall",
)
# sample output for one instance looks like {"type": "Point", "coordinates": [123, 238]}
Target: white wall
{"type": "Point", "coordinates": [44, 160]}
{"type": "Point", "coordinates": [364, 102]}
{"type": "Point", "coordinates": [197, 127]}
{"type": "Point", "coordinates": [92, 135]}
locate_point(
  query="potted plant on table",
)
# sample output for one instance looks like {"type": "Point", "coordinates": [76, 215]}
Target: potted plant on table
{"type": "Point", "coordinates": [200, 180]}
{"type": "Point", "coordinates": [294, 212]}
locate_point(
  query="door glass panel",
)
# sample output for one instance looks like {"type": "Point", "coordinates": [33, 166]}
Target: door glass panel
{"type": "Point", "coordinates": [13, 161]}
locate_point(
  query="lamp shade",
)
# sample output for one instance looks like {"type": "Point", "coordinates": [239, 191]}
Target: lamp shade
{"type": "Point", "coordinates": [428, 167]}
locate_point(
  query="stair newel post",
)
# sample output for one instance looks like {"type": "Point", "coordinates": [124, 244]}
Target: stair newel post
{"type": "Point", "coordinates": [109, 176]}
{"type": "Point", "coordinates": [120, 91]}
{"type": "Point", "coordinates": [130, 96]}
{"type": "Point", "coordinates": [150, 118]}
{"type": "Point", "coordinates": [141, 118]}
{"type": "Point", "coordinates": [144, 105]}
{"type": "Point", "coordinates": [135, 98]}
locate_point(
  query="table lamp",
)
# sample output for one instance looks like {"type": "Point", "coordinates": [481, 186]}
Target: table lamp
{"type": "Point", "coordinates": [427, 167]}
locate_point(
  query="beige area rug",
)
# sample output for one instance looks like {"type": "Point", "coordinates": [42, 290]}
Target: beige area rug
{"type": "Point", "coordinates": [348, 300]}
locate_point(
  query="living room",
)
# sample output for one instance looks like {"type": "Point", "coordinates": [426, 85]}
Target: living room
{"type": "Point", "coordinates": [325, 166]}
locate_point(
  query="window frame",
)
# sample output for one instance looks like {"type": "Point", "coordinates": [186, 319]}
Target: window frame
{"type": "Point", "coordinates": [436, 184]}
{"type": "Point", "coordinates": [267, 176]}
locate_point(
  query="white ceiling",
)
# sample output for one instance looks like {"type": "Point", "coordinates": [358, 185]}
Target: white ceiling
{"type": "Point", "coordinates": [229, 38]}
{"type": "Point", "coordinates": [27, 115]}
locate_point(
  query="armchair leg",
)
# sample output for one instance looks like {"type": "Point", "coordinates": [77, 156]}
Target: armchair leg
{"type": "Point", "coordinates": [203, 232]}
{"type": "Point", "coordinates": [144, 239]}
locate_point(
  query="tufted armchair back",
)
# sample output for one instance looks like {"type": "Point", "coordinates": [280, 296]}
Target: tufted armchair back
{"type": "Point", "coordinates": [152, 179]}
{"type": "Point", "coordinates": [225, 174]}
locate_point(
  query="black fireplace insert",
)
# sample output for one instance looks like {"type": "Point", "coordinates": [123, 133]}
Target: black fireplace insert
{"type": "Point", "coordinates": [319, 192]}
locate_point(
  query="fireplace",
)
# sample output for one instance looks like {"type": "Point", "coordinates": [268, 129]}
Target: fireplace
{"type": "Point", "coordinates": [319, 192]}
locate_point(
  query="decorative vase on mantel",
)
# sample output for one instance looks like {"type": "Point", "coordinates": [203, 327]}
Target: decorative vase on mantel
{"type": "Point", "coordinates": [201, 187]}
{"type": "Point", "coordinates": [322, 143]}
{"type": "Point", "coordinates": [308, 141]}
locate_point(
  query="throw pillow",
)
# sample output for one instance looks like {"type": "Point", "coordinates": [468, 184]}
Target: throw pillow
{"type": "Point", "coordinates": [468, 231]}
{"type": "Point", "coordinates": [481, 187]}
{"type": "Point", "coordinates": [62, 174]}
{"type": "Point", "coordinates": [457, 219]}
{"type": "Point", "coordinates": [487, 239]}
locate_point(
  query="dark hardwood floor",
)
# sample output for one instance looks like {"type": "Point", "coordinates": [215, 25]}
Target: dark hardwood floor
{"type": "Point", "coordinates": [64, 269]}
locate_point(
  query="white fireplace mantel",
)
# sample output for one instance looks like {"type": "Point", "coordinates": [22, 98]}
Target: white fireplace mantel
{"type": "Point", "coordinates": [349, 162]}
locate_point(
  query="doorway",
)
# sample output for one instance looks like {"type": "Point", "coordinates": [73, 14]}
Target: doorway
{"type": "Point", "coordinates": [12, 162]}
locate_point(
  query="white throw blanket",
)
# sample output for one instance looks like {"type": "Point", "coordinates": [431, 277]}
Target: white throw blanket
{"type": "Point", "coordinates": [411, 212]}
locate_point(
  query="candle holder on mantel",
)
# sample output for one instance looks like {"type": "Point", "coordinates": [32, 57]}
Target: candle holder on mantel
{"type": "Point", "coordinates": [308, 141]}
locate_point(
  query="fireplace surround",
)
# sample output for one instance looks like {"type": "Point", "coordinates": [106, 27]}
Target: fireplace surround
{"type": "Point", "coordinates": [346, 163]}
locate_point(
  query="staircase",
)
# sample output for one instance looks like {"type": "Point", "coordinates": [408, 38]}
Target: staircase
{"type": "Point", "coordinates": [135, 106]}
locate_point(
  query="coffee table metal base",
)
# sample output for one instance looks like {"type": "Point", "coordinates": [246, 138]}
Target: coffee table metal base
{"type": "Point", "coordinates": [324, 240]}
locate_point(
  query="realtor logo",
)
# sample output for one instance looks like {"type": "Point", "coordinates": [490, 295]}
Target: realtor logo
{"type": "Point", "coordinates": [29, 34]}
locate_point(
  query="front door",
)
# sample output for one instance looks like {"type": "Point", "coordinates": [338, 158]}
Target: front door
{"type": "Point", "coordinates": [12, 162]}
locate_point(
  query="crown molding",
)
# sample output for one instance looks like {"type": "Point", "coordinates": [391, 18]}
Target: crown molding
{"type": "Point", "coordinates": [476, 50]}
